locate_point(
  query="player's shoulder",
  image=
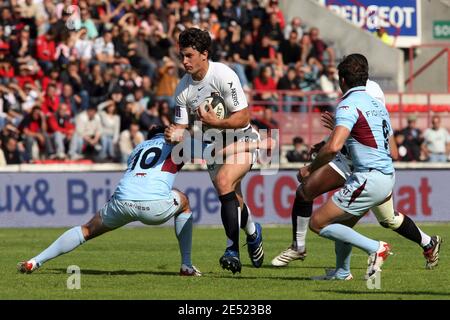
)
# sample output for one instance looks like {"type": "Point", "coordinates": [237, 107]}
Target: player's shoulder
{"type": "Point", "coordinates": [183, 84]}
{"type": "Point", "coordinates": [221, 70]}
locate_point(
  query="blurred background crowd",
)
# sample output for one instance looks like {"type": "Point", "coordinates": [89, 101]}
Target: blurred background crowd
{"type": "Point", "coordinates": [88, 79]}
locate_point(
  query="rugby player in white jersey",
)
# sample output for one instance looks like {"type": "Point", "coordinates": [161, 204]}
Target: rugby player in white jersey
{"type": "Point", "coordinates": [203, 79]}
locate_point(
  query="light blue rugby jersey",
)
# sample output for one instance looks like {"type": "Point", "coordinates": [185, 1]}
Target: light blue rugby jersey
{"type": "Point", "coordinates": [370, 128]}
{"type": "Point", "coordinates": [150, 173]}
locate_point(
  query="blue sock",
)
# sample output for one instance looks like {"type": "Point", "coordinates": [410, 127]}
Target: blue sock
{"type": "Point", "coordinates": [343, 233]}
{"type": "Point", "coordinates": [183, 229]}
{"type": "Point", "coordinates": [343, 254]}
{"type": "Point", "coordinates": [68, 241]}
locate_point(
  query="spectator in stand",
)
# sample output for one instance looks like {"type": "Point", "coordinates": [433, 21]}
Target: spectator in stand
{"type": "Point", "coordinates": [265, 53]}
{"type": "Point", "coordinates": [103, 48]}
{"type": "Point", "coordinates": [290, 82]}
{"type": "Point", "coordinates": [436, 141]}
{"type": "Point", "coordinates": [84, 46]}
{"type": "Point", "coordinates": [65, 51]}
{"type": "Point", "coordinates": [166, 113]}
{"type": "Point", "coordinates": [266, 85]}
{"type": "Point", "coordinates": [243, 59]}
{"type": "Point", "coordinates": [290, 52]}
{"type": "Point", "coordinates": [296, 24]}
{"type": "Point", "coordinates": [72, 100]}
{"type": "Point", "coordinates": [86, 140]}
{"type": "Point", "coordinates": [77, 82]}
{"type": "Point", "coordinates": [46, 51]}
{"type": "Point", "coordinates": [110, 130]}
{"type": "Point", "coordinates": [273, 8]}
{"type": "Point", "coordinates": [60, 129]}
{"type": "Point", "coordinates": [273, 30]}
{"type": "Point", "coordinates": [300, 153]}
{"type": "Point", "coordinates": [22, 48]}
{"type": "Point", "coordinates": [404, 153]}
{"type": "Point", "coordinates": [130, 114]}
{"type": "Point", "coordinates": [167, 82]}
{"type": "Point", "coordinates": [128, 140]}
{"type": "Point", "coordinates": [34, 134]}
{"type": "Point", "coordinates": [96, 85]}
{"type": "Point", "coordinates": [413, 138]}
{"type": "Point", "coordinates": [13, 151]}
{"type": "Point", "coordinates": [329, 83]}
{"type": "Point", "coordinates": [86, 21]}
{"type": "Point", "coordinates": [384, 36]}
{"type": "Point", "coordinates": [51, 100]}
{"type": "Point", "coordinates": [317, 48]}
{"type": "Point", "coordinates": [150, 118]}
{"type": "Point", "coordinates": [257, 29]}
{"type": "Point", "coordinates": [266, 122]}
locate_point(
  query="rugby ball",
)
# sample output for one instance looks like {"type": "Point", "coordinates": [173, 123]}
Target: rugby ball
{"type": "Point", "coordinates": [217, 103]}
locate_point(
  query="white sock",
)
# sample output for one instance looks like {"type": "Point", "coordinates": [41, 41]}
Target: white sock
{"type": "Point", "coordinates": [425, 238]}
{"type": "Point", "coordinates": [302, 229]}
{"type": "Point", "coordinates": [250, 227]}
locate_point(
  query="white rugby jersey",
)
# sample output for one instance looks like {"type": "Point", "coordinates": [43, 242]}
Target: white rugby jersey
{"type": "Point", "coordinates": [219, 79]}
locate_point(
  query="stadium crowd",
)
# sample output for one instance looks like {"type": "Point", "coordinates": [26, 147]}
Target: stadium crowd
{"type": "Point", "coordinates": [87, 79]}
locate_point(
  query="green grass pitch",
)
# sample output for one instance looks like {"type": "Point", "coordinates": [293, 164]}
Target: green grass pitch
{"type": "Point", "coordinates": [143, 263]}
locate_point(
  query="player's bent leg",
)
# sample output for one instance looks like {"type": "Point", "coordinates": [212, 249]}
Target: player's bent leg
{"type": "Point", "coordinates": [324, 222]}
{"type": "Point", "coordinates": [226, 181]}
{"type": "Point", "coordinates": [67, 242]}
{"type": "Point", "coordinates": [323, 180]}
{"type": "Point", "coordinates": [405, 226]}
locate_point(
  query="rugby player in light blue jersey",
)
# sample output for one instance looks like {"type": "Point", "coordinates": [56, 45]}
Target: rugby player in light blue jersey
{"type": "Point", "coordinates": [363, 125]}
{"type": "Point", "coordinates": [145, 193]}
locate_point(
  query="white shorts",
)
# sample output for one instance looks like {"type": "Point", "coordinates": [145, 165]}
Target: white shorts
{"type": "Point", "coordinates": [341, 164]}
{"type": "Point", "coordinates": [117, 213]}
{"type": "Point", "coordinates": [363, 191]}
{"type": "Point", "coordinates": [248, 135]}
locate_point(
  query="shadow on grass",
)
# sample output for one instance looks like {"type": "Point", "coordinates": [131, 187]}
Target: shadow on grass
{"type": "Point", "coordinates": [116, 272]}
{"type": "Point", "coordinates": [219, 275]}
{"type": "Point", "coordinates": [413, 293]}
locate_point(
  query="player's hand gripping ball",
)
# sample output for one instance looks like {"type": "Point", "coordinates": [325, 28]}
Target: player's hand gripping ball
{"type": "Point", "coordinates": [217, 104]}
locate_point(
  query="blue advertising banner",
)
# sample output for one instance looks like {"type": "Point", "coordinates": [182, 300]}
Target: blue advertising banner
{"type": "Point", "coordinates": [44, 199]}
{"type": "Point", "coordinates": [400, 18]}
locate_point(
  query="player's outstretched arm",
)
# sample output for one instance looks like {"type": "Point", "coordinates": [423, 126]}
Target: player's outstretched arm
{"type": "Point", "coordinates": [331, 147]}
{"type": "Point", "coordinates": [175, 133]}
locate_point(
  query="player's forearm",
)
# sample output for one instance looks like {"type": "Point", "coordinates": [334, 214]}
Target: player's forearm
{"type": "Point", "coordinates": [237, 120]}
{"type": "Point", "coordinates": [325, 155]}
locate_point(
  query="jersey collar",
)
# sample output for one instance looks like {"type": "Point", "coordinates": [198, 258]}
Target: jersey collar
{"type": "Point", "coordinates": [354, 89]}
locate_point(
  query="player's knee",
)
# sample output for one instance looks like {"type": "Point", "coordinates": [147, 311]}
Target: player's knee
{"type": "Point", "coordinates": [314, 224]}
{"type": "Point", "coordinates": [184, 202]}
{"type": "Point", "coordinates": [302, 194]}
{"type": "Point", "coordinates": [393, 222]}
{"type": "Point", "coordinates": [223, 183]}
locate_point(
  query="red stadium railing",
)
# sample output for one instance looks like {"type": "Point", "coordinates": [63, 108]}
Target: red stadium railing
{"type": "Point", "coordinates": [305, 121]}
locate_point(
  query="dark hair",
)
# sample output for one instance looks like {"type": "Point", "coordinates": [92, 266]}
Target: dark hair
{"type": "Point", "coordinates": [154, 131]}
{"type": "Point", "coordinates": [297, 140]}
{"type": "Point", "coordinates": [197, 39]}
{"type": "Point", "coordinates": [354, 69]}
